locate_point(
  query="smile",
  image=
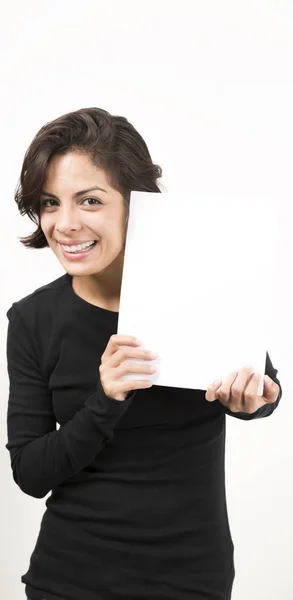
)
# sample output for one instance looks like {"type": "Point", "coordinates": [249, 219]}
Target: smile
{"type": "Point", "coordinates": [77, 252]}
{"type": "Point", "coordinates": [78, 248]}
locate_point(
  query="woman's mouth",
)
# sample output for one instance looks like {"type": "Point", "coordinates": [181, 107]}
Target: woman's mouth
{"type": "Point", "coordinates": [78, 252]}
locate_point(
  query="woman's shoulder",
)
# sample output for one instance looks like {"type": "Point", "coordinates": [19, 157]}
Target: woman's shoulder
{"type": "Point", "coordinates": [40, 301]}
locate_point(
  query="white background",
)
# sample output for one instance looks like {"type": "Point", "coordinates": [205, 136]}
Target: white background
{"type": "Point", "coordinates": [209, 85]}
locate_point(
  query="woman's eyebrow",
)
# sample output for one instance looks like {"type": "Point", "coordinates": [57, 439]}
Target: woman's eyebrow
{"type": "Point", "coordinates": [43, 193]}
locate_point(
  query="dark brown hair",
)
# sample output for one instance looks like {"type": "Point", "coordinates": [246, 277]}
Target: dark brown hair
{"type": "Point", "coordinates": [111, 142]}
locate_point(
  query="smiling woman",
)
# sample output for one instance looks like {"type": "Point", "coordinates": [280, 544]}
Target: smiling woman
{"type": "Point", "coordinates": [111, 143]}
{"type": "Point", "coordinates": [82, 153]}
{"type": "Point", "coordinates": [136, 471]}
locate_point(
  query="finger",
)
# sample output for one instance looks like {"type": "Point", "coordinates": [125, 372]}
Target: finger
{"type": "Point", "coordinates": [235, 401]}
{"type": "Point", "coordinates": [252, 401]}
{"type": "Point", "coordinates": [223, 393]}
{"type": "Point", "coordinates": [131, 367]}
{"type": "Point", "coordinates": [234, 398]}
{"type": "Point", "coordinates": [271, 390]}
{"type": "Point", "coordinates": [117, 340]}
{"type": "Point", "coordinates": [125, 352]}
{"type": "Point", "coordinates": [212, 389]}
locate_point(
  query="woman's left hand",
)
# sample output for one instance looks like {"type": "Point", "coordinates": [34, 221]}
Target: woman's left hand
{"type": "Point", "coordinates": [238, 392]}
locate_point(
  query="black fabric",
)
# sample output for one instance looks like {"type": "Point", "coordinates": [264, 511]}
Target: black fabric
{"type": "Point", "coordinates": [137, 508]}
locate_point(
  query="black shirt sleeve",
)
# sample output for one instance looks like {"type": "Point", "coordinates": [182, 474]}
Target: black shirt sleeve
{"type": "Point", "coordinates": [41, 456]}
{"type": "Point", "coordinates": [267, 409]}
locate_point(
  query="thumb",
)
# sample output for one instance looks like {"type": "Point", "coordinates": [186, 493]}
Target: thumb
{"type": "Point", "coordinates": [269, 392]}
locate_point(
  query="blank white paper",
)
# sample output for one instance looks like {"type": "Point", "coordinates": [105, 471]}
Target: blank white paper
{"type": "Point", "coordinates": [196, 284]}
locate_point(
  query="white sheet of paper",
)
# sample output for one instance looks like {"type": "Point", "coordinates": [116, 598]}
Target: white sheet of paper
{"type": "Point", "coordinates": [196, 284]}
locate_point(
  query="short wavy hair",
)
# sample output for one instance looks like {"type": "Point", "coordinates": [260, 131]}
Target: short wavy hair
{"type": "Point", "coordinates": [111, 142]}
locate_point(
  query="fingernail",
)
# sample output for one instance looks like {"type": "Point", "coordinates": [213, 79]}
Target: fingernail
{"type": "Point", "coordinates": [268, 380]}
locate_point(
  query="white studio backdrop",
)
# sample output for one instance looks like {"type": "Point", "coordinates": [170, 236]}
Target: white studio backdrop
{"type": "Point", "coordinates": [209, 85]}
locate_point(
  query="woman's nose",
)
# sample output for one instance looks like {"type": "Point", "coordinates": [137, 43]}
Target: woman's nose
{"type": "Point", "coordinates": [67, 220]}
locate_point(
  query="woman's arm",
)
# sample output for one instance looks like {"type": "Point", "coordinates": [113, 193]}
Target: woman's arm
{"type": "Point", "coordinates": [41, 456]}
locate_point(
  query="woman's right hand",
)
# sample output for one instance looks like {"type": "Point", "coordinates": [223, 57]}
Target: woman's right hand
{"type": "Point", "coordinates": [114, 365]}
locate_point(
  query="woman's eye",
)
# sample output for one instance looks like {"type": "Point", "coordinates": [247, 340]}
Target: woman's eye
{"type": "Point", "coordinates": [94, 199]}
{"type": "Point", "coordinates": [45, 205]}
{"type": "Point", "coordinates": [43, 202]}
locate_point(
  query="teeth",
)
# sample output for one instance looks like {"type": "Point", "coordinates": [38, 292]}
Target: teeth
{"type": "Point", "coordinates": [78, 248]}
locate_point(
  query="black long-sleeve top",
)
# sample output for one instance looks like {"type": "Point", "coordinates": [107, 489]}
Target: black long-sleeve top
{"type": "Point", "coordinates": [137, 508]}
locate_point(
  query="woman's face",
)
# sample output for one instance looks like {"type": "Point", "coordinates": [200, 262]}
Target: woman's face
{"type": "Point", "coordinates": [79, 216]}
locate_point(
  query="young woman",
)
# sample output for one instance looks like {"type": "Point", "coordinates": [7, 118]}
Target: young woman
{"type": "Point", "coordinates": [137, 508]}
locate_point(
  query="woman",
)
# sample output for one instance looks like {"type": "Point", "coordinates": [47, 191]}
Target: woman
{"type": "Point", "coordinates": [137, 508]}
